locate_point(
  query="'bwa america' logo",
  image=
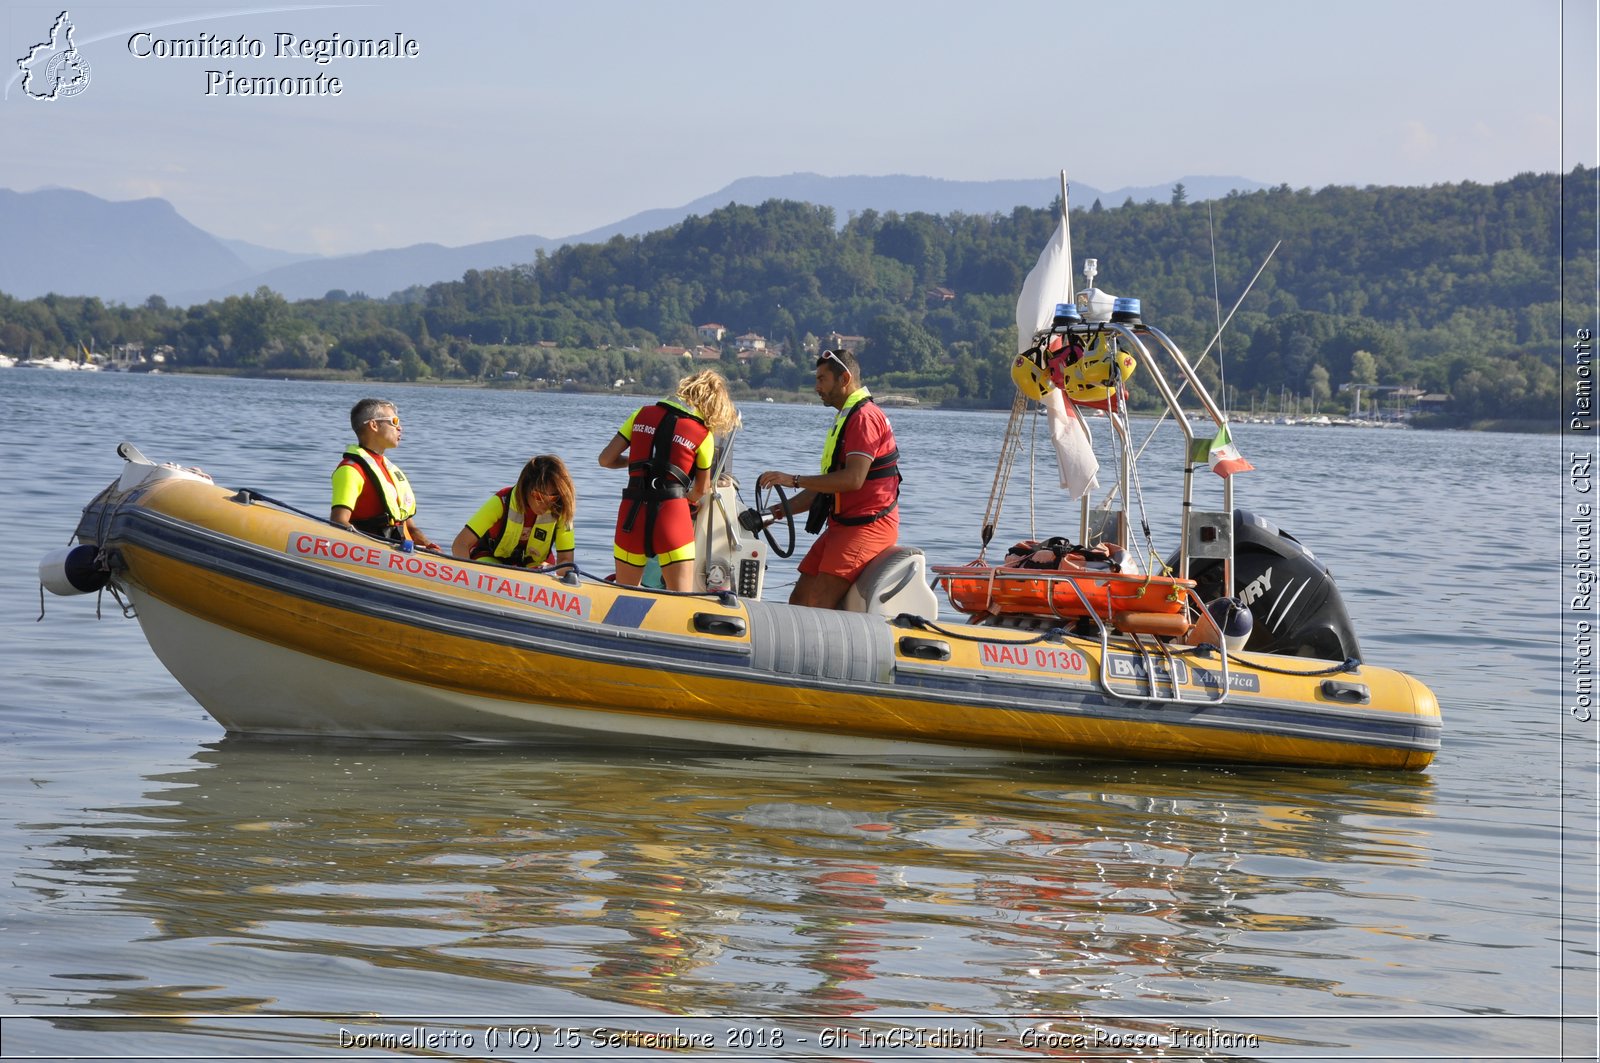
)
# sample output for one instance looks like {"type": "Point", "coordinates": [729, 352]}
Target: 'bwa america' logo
{"type": "Point", "coordinates": [55, 69]}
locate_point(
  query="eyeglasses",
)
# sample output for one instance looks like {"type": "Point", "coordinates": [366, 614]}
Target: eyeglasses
{"type": "Point", "coordinates": [831, 356]}
{"type": "Point", "coordinates": [386, 420]}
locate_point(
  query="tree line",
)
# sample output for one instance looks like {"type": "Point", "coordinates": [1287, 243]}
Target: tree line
{"type": "Point", "coordinates": [1453, 289]}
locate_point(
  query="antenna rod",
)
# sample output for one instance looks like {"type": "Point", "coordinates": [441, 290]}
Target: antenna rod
{"type": "Point", "coordinates": [1066, 221]}
{"type": "Point", "coordinates": [1196, 364]}
{"type": "Point", "coordinates": [1216, 303]}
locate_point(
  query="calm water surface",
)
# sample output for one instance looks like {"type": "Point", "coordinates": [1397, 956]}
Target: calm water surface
{"type": "Point", "coordinates": [175, 893]}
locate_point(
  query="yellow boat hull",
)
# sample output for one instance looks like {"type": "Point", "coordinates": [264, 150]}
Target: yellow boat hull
{"type": "Point", "coordinates": [280, 624]}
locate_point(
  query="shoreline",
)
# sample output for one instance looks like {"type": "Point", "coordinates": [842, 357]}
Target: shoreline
{"type": "Point", "coordinates": [1431, 422]}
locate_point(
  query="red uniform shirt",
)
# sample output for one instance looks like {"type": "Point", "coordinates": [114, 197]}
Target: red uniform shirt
{"type": "Point", "coordinates": [867, 432]}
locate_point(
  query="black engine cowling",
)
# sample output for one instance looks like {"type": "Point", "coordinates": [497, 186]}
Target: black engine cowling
{"type": "Point", "coordinates": [1296, 606]}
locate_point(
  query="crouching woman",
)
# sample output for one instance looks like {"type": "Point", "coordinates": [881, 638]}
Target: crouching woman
{"type": "Point", "coordinates": [528, 524]}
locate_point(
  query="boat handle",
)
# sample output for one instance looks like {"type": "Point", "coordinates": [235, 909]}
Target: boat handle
{"type": "Point", "coordinates": [1349, 693]}
{"type": "Point", "coordinates": [716, 624]}
{"type": "Point", "coordinates": [905, 578]}
{"type": "Point", "coordinates": [924, 649]}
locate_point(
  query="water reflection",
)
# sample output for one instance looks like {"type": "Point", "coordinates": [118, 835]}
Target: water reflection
{"type": "Point", "coordinates": [263, 880]}
{"type": "Point", "coordinates": [280, 876]}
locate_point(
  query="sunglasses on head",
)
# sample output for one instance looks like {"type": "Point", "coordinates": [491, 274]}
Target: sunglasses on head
{"type": "Point", "coordinates": [832, 356]}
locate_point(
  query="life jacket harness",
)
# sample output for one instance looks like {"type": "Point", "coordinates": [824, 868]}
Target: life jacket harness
{"type": "Point", "coordinates": [833, 459]}
{"type": "Point", "coordinates": [513, 540]}
{"type": "Point", "coordinates": [398, 502]}
{"type": "Point", "coordinates": [1058, 552]}
{"type": "Point", "coordinates": [655, 479]}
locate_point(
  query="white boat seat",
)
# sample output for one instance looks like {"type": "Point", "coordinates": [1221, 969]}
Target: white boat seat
{"type": "Point", "coordinates": [894, 582]}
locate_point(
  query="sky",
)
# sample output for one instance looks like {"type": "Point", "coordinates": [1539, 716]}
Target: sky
{"type": "Point", "coordinates": [552, 117]}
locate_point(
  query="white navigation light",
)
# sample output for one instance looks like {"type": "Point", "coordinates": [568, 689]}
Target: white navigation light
{"type": "Point", "coordinates": [1096, 305]}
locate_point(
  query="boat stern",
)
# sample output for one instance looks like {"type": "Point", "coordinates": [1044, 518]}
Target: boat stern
{"type": "Point", "coordinates": [1429, 723]}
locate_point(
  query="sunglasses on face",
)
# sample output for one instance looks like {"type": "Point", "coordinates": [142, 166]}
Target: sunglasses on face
{"type": "Point", "coordinates": [830, 356]}
{"type": "Point", "coordinates": [386, 420]}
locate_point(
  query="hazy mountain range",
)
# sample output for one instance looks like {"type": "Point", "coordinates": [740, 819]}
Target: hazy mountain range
{"type": "Point", "coordinates": [73, 243]}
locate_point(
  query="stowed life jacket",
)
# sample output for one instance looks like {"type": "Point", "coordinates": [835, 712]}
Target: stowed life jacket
{"type": "Point", "coordinates": [511, 540]}
{"type": "Point", "coordinates": [833, 457]}
{"type": "Point", "coordinates": [662, 447]}
{"type": "Point", "coordinates": [399, 504]}
{"type": "Point", "coordinates": [1058, 552]}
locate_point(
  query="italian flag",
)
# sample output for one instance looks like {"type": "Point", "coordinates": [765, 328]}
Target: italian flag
{"type": "Point", "coordinates": [1220, 453]}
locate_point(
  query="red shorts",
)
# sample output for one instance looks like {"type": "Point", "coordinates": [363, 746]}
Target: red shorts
{"type": "Point", "coordinates": [844, 550]}
{"type": "Point", "coordinates": [674, 534]}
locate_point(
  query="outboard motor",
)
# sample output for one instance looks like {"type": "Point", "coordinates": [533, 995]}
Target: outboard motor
{"type": "Point", "coordinates": [1296, 607]}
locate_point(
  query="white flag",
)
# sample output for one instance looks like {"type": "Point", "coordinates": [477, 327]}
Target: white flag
{"type": "Point", "coordinates": [1074, 447]}
{"type": "Point", "coordinates": [1048, 283]}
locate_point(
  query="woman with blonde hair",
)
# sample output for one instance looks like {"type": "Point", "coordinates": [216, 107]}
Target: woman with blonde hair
{"type": "Point", "coordinates": [667, 449]}
{"type": "Point", "coordinates": [526, 523]}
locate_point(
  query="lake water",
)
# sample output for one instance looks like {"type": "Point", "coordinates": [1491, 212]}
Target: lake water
{"type": "Point", "coordinates": [172, 893]}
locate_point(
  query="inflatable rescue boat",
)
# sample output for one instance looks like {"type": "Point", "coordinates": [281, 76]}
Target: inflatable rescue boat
{"type": "Point", "coordinates": [280, 623]}
{"type": "Point", "coordinates": [1233, 649]}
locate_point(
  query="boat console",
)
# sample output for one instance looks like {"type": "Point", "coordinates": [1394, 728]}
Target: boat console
{"type": "Point", "coordinates": [728, 556]}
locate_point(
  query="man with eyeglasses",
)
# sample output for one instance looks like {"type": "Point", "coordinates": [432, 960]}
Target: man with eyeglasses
{"type": "Point", "coordinates": [370, 493]}
{"type": "Point", "coordinates": [857, 493]}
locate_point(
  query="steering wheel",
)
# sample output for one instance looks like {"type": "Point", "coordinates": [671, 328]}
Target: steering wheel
{"type": "Point", "coordinates": [788, 518]}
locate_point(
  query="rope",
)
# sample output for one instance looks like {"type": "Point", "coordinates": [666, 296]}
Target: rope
{"type": "Point", "coordinates": [1059, 634]}
{"type": "Point", "coordinates": [128, 611]}
{"type": "Point", "coordinates": [1055, 634]}
{"type": "Point", "coordinates": [1215, 340]}
{"type": "Point", "coordinates": [1010, 443]}
{"type": "Point", "coordinates": [1033, 470]}
{"type": "Point", "coordinates": [1156, 562]}
{"type": "Point", "coordinates": [99, 538]}
{"type": "Point", "coordinates": [1216, 301]}
{"type": "Point", "coordinates": [247, 495]}
{"type": "Point", "coordinates": [563, 567]}
{"type": "Point", "coordinates": [1349, 664]}
{"type": "Point", "coordinates": [727, 598]}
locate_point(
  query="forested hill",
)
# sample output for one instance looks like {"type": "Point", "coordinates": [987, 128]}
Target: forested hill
{"type": "Point", "coordinates": [1451, 289]}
